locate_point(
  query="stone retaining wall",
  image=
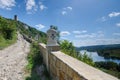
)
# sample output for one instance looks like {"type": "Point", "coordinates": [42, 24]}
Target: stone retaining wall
{"type": "Point", "coordinates": [64, 67]}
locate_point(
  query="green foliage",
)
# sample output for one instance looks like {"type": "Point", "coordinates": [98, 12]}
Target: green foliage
{"type": "Point", "coordinates": [8, 33]}
{"type": "Point", "coordinates": [32, 33]}
{"type": "Point", "coordinates": [109, 67]}
{"type": "Point", "coordinates": [87, 59]}
{"type": "Point", "coordinates": [68, 48]}
{"type": "Point", "coordinates": [34, 77]}
{"type": "Point", "coordinates": [35, 59]}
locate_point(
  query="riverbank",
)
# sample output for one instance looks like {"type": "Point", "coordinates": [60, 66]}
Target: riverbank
{"type": "Point", "coordinates": [110, 66]}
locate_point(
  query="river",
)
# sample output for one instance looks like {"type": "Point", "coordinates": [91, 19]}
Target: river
{"type": "Point", "coordinates": [96, 57]}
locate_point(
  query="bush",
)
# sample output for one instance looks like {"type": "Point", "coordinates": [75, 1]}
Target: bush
{"type": "Point", "coordinates": [68, 48]}
{"type": "Point", "coordinates": [34, 57]}
{"type": "Point", "coordinates": [109, 65]}
{"type": "Point", "coordinates": [8, 33]}
{"type": "Point", "coordinates": [34, 61]}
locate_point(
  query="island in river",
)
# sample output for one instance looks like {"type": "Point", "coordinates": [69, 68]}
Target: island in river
{"type": "Point", "coordinates": [106, 52]}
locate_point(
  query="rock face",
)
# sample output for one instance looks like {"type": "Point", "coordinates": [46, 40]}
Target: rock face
{"type": "Point", "coordinates": [13, 60]}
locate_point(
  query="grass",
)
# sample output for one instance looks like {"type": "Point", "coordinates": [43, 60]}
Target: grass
{"type": "Point", "coordinates": [5, 43]}
{"type": "Point", "coordinates": [34, 60]}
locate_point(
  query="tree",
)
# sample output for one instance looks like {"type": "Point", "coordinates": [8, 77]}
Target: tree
{"type": "Point", "coordinates": [7, 28]}
{"type": "Point", "coordinates": [68, 48]}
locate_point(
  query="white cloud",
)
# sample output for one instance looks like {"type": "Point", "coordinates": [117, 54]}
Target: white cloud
{"type": "Point", "coordinates": [64, 12]}
{"type": "Point", "coordinates": [42, 7]}
{"type": "Point", "coordinates": [116, 34]}
{"type": "Point", "coordinates": [70, 8]}
{"type": "Point", "coordinates": [30, 4]}
{"type": "Point", "coordinates": [86, 36]}
{"type": "Point", "coordinates": [40, 26]}
{"type": "Point", "coordinates": [7, 4]}
{"type": "Point", "coordinates": [89, 42]}
{"type": "Point", "coordinates": [64, 33]}
{"type": "Point", "coordinates": [118, 24]}
{"type": "Point", "coordinates": [100, 32]}
{"type": "Point", "coordinates": [103, 19]}
{"type": "Point", "coordinates": [79, 32]}
{"type": "Point", "coordinates": [114, 14]}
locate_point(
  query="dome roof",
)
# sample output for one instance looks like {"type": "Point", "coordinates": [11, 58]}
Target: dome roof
{"type": "Point", "coordinates": [51, 30]}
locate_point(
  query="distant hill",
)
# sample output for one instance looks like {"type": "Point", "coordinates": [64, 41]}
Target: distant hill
{"type": "Point", "coordinates": [99, 47]}
{"type": "Point", "coordinates": [107, 51]}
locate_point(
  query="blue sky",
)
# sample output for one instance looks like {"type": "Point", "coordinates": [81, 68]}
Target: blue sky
{"type": "Point", "coordinates": [83, 22]}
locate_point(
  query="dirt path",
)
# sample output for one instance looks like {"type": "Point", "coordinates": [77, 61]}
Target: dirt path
{"type": "Point", "coordinates": [13, 60]}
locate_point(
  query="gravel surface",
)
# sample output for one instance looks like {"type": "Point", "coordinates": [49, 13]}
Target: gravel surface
{"type": "Point", "coordinates": [13, 60]}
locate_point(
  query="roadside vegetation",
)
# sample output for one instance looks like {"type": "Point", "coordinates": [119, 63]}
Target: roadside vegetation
{"type": "Point", "coordinates": [31, 33]}
{"type": "Point", "coordinates": [35, 67]}
{"type": "Point", "coordinates": [108, 66]}
{"type": "Point", "coordinates": [8, 32]}
{"type": "Point", "coordinates": [68, 48]}
{"type": "Point", "coordinates": [9, 29]}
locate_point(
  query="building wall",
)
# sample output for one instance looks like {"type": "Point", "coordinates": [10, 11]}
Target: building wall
{"type": "Point", "coordinates": [64, 67]}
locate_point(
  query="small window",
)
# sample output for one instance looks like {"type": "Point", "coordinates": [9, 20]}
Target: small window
{"type": "Point", "coordinates": [53, 36]}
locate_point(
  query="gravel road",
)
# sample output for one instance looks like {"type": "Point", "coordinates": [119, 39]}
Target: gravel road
{"type": "Point", "coordinates": [13, 60]}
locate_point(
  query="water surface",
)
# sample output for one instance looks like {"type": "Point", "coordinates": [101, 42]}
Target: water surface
{"type": "Point", "coordinates": [96, 57]}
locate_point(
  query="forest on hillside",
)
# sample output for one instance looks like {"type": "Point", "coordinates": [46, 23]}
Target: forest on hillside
{"type": "Point", "coordinates": [10, 27]}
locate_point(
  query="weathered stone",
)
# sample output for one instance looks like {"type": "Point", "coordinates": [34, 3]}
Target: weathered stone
{"type": "Point", "coordinates": [58, 63]}
{"type": "Point", "coordinates": [69, 71]}
{"type": "Point", "coordinates": [61, 77]}
{"type": "Point", "coordinates": [57, 70]}
{"type": "Point", "coordinates": [76, 76]}
{"type": "Point", "coordinates": [52, 44]}
{"type": "Point", "coordinates": [64, 67]}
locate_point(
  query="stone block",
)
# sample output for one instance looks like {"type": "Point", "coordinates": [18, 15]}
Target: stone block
{"type": "Point", "coordinates": [63, 67]}
{"type": "Point", "coordinates": [76, 76]}
{"type": "Point", "coordinates": [61, 77]}
{"type": "Point", "coordinates": [57, 71]}
{"type": "Point", "coordinates": [69, 71]}
{"type": "Point", "coordinates": [58, 63]}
